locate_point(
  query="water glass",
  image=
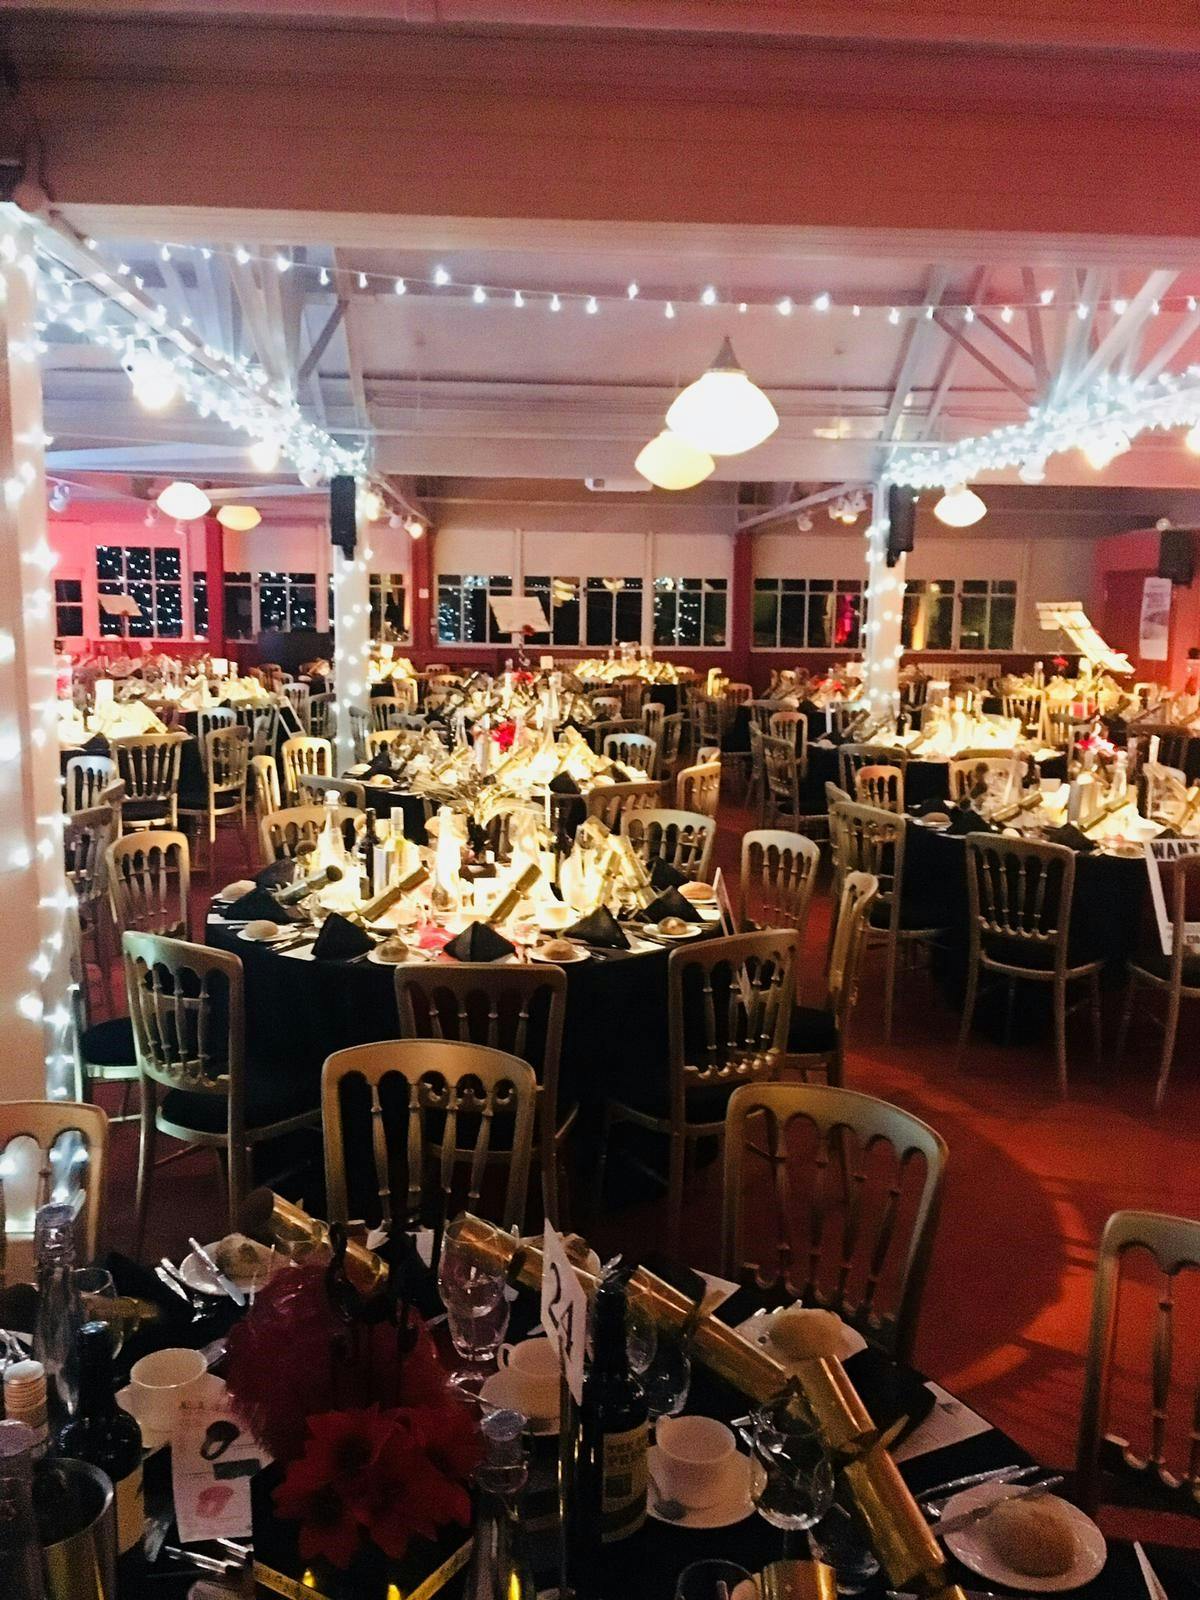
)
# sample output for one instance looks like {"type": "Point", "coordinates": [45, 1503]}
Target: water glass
{"type": "Point", "coordinates": [791, 1480]}
{"type": "Point", "coordinates": [840, 1543]}
{"type": "Point", "coordinates": [477, 1308]}
{"type": "Point", "coordinates": [97, 1292]}
{"type": "Point", "coordinates": [710, 1580]}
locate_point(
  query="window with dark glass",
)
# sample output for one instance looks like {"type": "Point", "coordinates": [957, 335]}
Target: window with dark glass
{"type": "Point", "coordinates": [807, 613]}
{"type": "Point", "coordinates": [68, 608]}
{"type": "Point", "coordinates": [239, 606]}
{"type": "Point", "coordinates": [690, 611]}
{"type": "Point", "coordinates": [987, 613]}
{"type": "Point", "coordinates": [560, 599]}
{"type": "Point", "coordinates": [928, 616]}
{"type": "Point", "coordinates": [388, 616]}
{"type": "Point", "coordinates": [150, 576]}
{"type": "Point", "coordinates": [464, 612]}
{"type": "Point", "coordinates": [613, 611]}
{"type": "Point", "coordinates": [200, 604]}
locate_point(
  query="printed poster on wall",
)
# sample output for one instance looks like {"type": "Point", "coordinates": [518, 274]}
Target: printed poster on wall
{"type": "Point", "coordinates": [1156, 619]}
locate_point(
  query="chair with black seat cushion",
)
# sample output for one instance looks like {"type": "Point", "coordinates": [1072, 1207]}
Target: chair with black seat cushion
{"type": "Point", "coordinates": [149, 884]}
{"type": "Point", "coordinates": [516, 1009]}
{"type": "Point", "coordinates": [186, 1004]}
{"type": "Point", "coordinates": [1019, 896]}
{"type": "Point", "coordinates": [407, 1118]}
{"type": "Point", "coordinates": [85, 780]}
{"type": "Point", "coordinates": [1177, 976]}
{"type": "Point", "coordinates": [854, 1189]}
{"type": "Point", "coordinates": [226, 768]}
{"type": "Point", "coordinates": [1139, 1355]}
{"type": "Point", "coordinates": [148, 766]}
{"type": "Point", "coordinates": [728, 1005]}
{"type": "Point", "coordinates": [777, 879]}
{"type": "Point", "coordinates": [852, 756]}
{"type": "Point", "coordinates": [816, 1039]}
{"type": "Point", "coordinates": [872, 840]}
{"type": "Point", "coordinates": [86, 838]}
{"type": "Point", "coordinates": [104, 1051]}
{"type": "Point", "coordinates": [685, 840]}
{"type": "Point", "coordinates": [68, 1163]}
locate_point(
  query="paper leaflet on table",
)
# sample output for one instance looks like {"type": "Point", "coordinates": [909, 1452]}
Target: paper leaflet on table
{"type": "Point", "coordinates": [950, 1422]}
{"type": "Point", "coordinates": [1160, 852]}
{"type": "Point", "coordinates": [213, 1458]}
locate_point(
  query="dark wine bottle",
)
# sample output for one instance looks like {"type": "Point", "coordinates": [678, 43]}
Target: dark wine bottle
{"type": "Point", "coordinates": [20, 1547]}
{"type": "Point", "coordinates": [609, 1492]}
{"type": "Point", "coordinates": [105, 1436]}
{"type": "Point", "coordinates": [368, 846]}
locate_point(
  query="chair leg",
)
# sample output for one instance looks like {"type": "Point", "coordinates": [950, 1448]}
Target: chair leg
{"type": "Point", "coordinates": [1170, 1029]}
{"type": "Point", "coordinates": [1126, 1019]}
{"type": "Point", "coordinates": [146, 1145]}
{"type": "Point", "coordinates": [602, 1162]}
{"type": "Point", "coordinates": [239, 1166]}
{"type": "Point", "coordinates": [968, 1012]}
{"type": "Point", "coordinates": [1060, 1036]}
{"type": "Point", "coordinates": [1097, 1027]}
{"type": "Point", "coordinates": [889, 986]}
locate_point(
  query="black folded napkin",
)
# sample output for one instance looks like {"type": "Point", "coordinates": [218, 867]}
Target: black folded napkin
{"type": "Point", "coordinates": [599, 928]}
{"type": "Point", "coordinates": [97, 745]}
{"type": "Point", "coordinates": [478, 942]}
{"type": "Point", "coordinates": [1070, 836]}
{"type": "Point", "coordinates": [965, 819]}
{"type": "Point", "coordinates": [889, 1392]}
{"type": "Point", "coordinates": [928, 808]}
{"type": "Point", "coordinates": [664, 876]}
{"type": "Point", "coordinates": [277, 876]}
{"type": "Point", "coordinates": [563, 783]}
{"type": "Point", "coordinates": [380, 765]}
{"type": "Point", "coordinates": [340, 939]}
{"type": "Point", "coordinates": [671, 904]}
{"type": "Point", "coordinates": [259, 903]}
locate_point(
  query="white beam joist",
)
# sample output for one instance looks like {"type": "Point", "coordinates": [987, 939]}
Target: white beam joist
{"type": "Point", "coordinates": [1124, 332]}
{"type": "Point", "coordinates": [914, 345]}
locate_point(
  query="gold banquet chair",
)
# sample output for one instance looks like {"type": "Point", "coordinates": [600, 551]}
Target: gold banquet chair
{"type": "Point", "coordinates": [149, 880]}
{"type": "Point", "coordinates": [993, 778]}
{"type": "Point", "coordinates": [65, 1147]}
{"type": "Point", "coordinates": [612, 802]}
{"type": "Point", "coordinates": [519, 1010]}
{"type": "Point", "coordinates": [880, 785]}
{"type": "Point", "coordinates": [685, 840]}
{"type": "Point", "coordinates": [698, 788]}
{"type": "Point", "coordinates": [852, 1205]}
{"type": "Point", "coordinates": [1139, 1473]}
{"type": "Point", "coordinates": [777, 879]}
{"type": "Point", "coordinates": [1176, 976]}
{"type": "Point", "coordinates": [304, 757]}
{"type": "Point", "coordinates": [728, 1005]}
{"type": "Point", "coordinates": [816, 1040]}
{"type": "Point", "coordinates": [416, 1114]}
{"type": "Point", "coordinates": [148, 766]}
{"type": "Point", "coordinates": [290, 831]}
{"type": "Point", "coordinates": [226, 769]}
{"type": "Point", "coordinates": [636, 752]}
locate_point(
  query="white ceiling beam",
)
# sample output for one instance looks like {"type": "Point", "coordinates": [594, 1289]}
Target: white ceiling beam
{"type": "Point", "coordinates": [1126, 329]}
{"type": "Point", "coordinates": [354, 353]}
{"type": "Point", "coordinates": [915, 336]}
{"type": "Point", "coordinates": [977, 355]}
{"type": "Point", "coordinates": [950, 360]}
{"type": "Point", "coordinates": [1180, 336]}
{"type": "Point", "coordinates": [1037, 332]}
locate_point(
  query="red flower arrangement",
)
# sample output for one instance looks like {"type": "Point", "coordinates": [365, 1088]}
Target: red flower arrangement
{"type": "Point", "coordinates": [354, 1403]}
{"type": "Point", "coordinates": [506, 732]}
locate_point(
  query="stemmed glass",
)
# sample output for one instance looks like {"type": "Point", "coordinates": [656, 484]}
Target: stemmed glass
{"type": "Point", "coordinates": [97, 1292]}
{"type": "Point", "coordinates": [661, 1362]}
{"type": "Point", "coordinates": [477, 1309]}
{"type": "Point", "coordinates": [791, 1480]}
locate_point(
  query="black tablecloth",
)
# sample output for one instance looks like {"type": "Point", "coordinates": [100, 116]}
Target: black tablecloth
{"type": "Point", "coordinates": [386, 801]}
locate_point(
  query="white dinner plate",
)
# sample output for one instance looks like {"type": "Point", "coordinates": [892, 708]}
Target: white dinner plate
{"type": "Point", "coordinates": [691, 931]}
{"type": "Point", "coordinates": [734, 1504]}
{"type": "Point", "coordinates": [282, 932]}
{"type": "Point", "coordinates": [197, 1276]}
{"type": "Point", "coordinates": [375, 954]}
{"type": "Point", "coordinates": [758, 1330]}
{"type": "Point", "coordinates": [974, 1549]}
{"type": "Point", "coordinates": [696, 898]}
{"type": "Point", "coordinates": [577, 954]}
{"type": "Point", "coordinates": [501, 1390]}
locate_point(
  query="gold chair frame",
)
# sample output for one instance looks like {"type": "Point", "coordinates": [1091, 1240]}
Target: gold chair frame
{"type": "Point", "coordinates": [1185, 871]}
{"type": "Point", "coordinates": [46, 1122]}
{"type": "Point", "coordinates": [149, 879]}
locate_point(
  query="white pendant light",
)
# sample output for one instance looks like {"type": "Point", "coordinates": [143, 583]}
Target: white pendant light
{"type": "Point", "coordinates": [1192, 439]}
{"type": "Point", "coordinates": [723, 413]}
{"type": "Point", "coordinates": [1104, 446]}
{"type": "Point", "coordinates": [154, 380]}
{"type": "Point", "coordinates": [183, 501]}
{"type": "Point", "coordinates": [959, 507]}
{"type": "Point", "coordinates": [670, 462]}
{"type": "Point", "coordinates": [264, 454]}
{"type": "Point", "coordinates": [239, 519]}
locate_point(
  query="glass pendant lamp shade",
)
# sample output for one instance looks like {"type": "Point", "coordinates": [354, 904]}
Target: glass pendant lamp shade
{"type": "Point", "coordinates": [670, 462]}
{"type": "Point", "coordinates": [723, 413]}
{"type": "Point", "coordinates": [960, 507]}
{"type": "Point", "coordinates": [183, 501]}
{"type": "Point", "coordinates": [239, 519]}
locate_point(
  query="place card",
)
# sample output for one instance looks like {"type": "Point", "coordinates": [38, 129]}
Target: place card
{"type": "Point", "coordinates": [213, 1458]}
{"type": "Point", "coordinates": [564, 1310]}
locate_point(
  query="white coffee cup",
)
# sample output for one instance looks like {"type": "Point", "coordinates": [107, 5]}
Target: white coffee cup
{"type": "Point", "coordinates": [694, 1456]}
{"type": "Point", "coordinates": [159, 1382]}
{"type": "Point", "coordinates": [534, 1372]}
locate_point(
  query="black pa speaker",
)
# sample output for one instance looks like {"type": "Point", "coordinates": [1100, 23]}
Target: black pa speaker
{"type": "Point", "coordinates": [343, 514]}
{"type": "Point", "coordinates": [902, 521]}
{"type": "Point", "coordinates": [1176, 555]}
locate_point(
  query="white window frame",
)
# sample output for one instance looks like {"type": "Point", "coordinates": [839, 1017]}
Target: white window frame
{"type": "Point", "coordinates": [844, 585]}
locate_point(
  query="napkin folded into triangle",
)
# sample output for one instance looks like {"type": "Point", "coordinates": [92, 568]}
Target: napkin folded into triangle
{"type": "Point", "coordinates": [965, 819]}
{"type": "Point", "coordinates": [599, 928]}
{"type": "Point", "coordinates": [277, 876]}
{"type": "Point", "coordinates": [1071, 836]}
{"type": "Point", "coordinates": [563, 783]}
{"type": "Point", "coordinates": [664, 876]}
{"type": "Point", "coordinates": [340, 939]}
{"type": "Point", "coordinates": [671, 904]}
{"type": "Point", "coordinates": [478, 942]}
{"type": "Point", "coordinates": [259, 903]}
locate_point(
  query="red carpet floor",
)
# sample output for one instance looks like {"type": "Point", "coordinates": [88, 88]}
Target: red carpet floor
{"type": "Point", "coordinates": [1030, 1183]}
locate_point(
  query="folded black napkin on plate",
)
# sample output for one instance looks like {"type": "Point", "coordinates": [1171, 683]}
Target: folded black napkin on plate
{"type": "Point", "coordinates": [1070, 836]}
{"type": "Point", "coordinates": [478, 942]}
{"type": "Point", "coordinates": [928, 808]}
{"type": "Point", "coordinates": [259, 903]}
{"type": "Point", "coordinates": [340, 939]}
{"type": "Point", "coordinates": [97, 745]}
{"type": "Point", "coordinates": [888, 1392]}
{"type": "Point", "coordinates": [671, 904]}
{"type": "Point", "coordinates": [965, 819]}
{"type": "Point", "coordinates": [599, 928]}
{"type": "Point", "coordinates": [380, 765]}
{"type": "Point", "coordinates": [563, 783]}
{"type": "Point", "coordinates": [277, 876]}
{"type": "Point", "coordinates": [664, 876]}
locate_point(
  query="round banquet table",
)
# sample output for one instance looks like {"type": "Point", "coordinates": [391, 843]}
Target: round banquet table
{"type": "Point", "coordinates": [299, 1010]}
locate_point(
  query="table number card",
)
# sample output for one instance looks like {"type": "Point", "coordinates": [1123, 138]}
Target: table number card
{"type": "Point", "coordinates": [564, 1310]}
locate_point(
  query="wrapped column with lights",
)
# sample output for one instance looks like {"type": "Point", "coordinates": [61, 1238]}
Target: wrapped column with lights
{"type": "Point", "coordinates": [34, 899]}
{"type": "Point", "coordinates": [352, 642]}
{"type": "Point", "coordinates": [885, 609]}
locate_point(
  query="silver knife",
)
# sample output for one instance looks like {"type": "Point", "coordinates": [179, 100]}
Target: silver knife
{"type": "Point", "coordinates": [1150, 1578]}
{"type": "Point", "coordinates": [942, 1491]}
{"type": "Point", "coordinates": [171, 1284]}
{"type": "Point", "coordinates": [967, 1519]}
{"type": "Point", "coordinates": [230, 1288]}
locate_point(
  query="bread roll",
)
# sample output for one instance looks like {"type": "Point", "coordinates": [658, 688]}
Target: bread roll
{"type": "Point", "coordinates": [1032, 1536]}
{"type": "Point", "coordinates": [805, 1335]}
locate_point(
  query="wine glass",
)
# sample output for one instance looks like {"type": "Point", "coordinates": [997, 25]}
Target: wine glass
{"type": "Point", "coordinates": [791, 1479]}
{"type": "Point", "coordinates": [97, 1294]}
{"type": "Point", "coordinates": [710, 1580]}
{"type": "Point", "coordinates": [477, 1308]}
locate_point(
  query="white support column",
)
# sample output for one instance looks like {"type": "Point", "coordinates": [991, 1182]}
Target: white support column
{"type": "Point", "coordinates": [885, 608]}
{"type": "Point", "coordinates": [35, 1017]}
{"type": "Point", "coordinates": [352, 640]}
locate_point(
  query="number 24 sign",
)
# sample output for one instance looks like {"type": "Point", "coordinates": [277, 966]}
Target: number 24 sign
{"type": "Point", "coordinates": [564, 1310]}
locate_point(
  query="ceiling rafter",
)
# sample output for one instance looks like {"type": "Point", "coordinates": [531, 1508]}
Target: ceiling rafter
{"type": "Point", "coordinates": [914, 346]}
{"type": "Point", "coordinates": [977, 355]}
{"type": "Point", "coordinates": [1179, 337]}
{"type": "Point", "coordinates": [1076, 331]}
{"type": "Point", "coordinates": [353, 332]}
{"type": "Point", "coordinates": [950, 360]}
{"type": "Point", "coordinates": [1125, 331]}
{"type": "Point", "coordinates": [1037, 332]}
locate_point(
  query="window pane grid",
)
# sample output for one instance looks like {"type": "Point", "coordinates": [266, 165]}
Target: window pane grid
{"type": "Point", "coordinates": [151, 577]}
{"type": "Point", "coordinates": [807, 613]}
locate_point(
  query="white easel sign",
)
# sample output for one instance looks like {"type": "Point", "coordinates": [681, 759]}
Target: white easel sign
{"type": "Point", "coordinates": [1160, 853]}
{"type": "Point", "coordinates": [564, 1310]}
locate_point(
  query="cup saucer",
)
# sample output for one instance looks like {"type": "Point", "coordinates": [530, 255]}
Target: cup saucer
{"type": "Point", "coordinates": [733, 1505]}
{"type": "Point", "coordinates": [501, 1389]}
